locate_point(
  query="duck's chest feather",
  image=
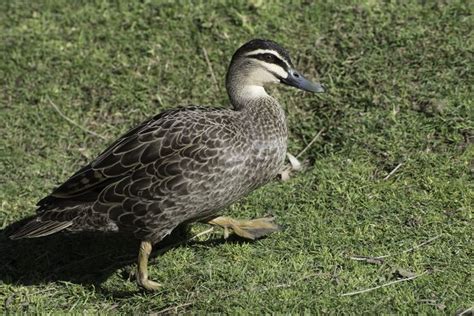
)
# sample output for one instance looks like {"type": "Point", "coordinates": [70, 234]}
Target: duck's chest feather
{"type": "Point", "coordinates": [265, 159]}
{"type": "Point", "coordinates": [268, 134]}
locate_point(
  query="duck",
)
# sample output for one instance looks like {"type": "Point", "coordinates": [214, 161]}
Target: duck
{"type": "Point", "coordinates": [183, 165]}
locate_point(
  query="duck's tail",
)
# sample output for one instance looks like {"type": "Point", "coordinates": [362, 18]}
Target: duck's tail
{"type": "Point", "coordinates": [51, 219]}
{"type": "Point", "coordinates": [39, 228]}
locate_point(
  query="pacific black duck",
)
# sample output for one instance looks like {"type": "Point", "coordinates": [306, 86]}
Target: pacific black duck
{"type": "Point", "coordinates": [183, 165]}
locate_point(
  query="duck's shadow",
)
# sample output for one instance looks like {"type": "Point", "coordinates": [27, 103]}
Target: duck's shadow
{"type": "Point", "coordinates": [82, 258]}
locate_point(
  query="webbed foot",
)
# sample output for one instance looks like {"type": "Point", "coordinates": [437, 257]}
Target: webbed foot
{"type": "Point", "coordinates": [249, 229]}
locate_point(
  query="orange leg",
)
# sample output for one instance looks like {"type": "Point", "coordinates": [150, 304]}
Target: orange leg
{"type": "Point", "coordinates": [250, 229]}
{"type": "Point", "coordinates": [142, 267]}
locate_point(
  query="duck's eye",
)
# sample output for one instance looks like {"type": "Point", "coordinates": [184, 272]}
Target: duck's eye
{"type": "Point", "coordinates": [268, 57]}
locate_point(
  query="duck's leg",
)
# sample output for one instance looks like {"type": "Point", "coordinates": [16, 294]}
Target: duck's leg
{"type": "Point", "coordinates": [142, 267]}
{"type": "Point", "coordinates": [294, 166]}
{"type": "Point", "coordinates": [250, 229]}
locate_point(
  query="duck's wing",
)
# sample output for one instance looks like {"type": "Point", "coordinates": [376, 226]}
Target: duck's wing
{"type": "Point", "coordinates": [127, 153]}
{"type": "Point", "coordinates": [190, 132]}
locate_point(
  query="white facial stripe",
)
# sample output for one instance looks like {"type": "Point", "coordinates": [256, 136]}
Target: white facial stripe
{"type": "Point", "coordinates": [268, 51]}
{"type": "Point", "coordinates": [261, 76]}
{"type": "Point", "coordinates": [273, 68]}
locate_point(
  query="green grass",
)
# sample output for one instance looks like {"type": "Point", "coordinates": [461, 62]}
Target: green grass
{"type": "Point", "coordinates": [400, 91]}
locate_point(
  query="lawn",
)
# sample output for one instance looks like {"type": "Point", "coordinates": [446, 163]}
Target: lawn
{"type": "Point", "coordinates": [380, 221]}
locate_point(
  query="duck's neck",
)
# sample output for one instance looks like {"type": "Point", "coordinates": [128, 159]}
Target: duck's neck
{"type": "Point", "coordinates": [261, 114]}
{"type": "Point", "coordinates": [241, 97]}
{"type": "Point", "coordinates": [243, 85]}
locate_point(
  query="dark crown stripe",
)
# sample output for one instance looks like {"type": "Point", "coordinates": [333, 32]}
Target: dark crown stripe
{"type": "Point", "coordinates": [275, 60]}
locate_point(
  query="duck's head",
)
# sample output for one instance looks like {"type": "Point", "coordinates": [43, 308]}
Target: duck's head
{"type": "Point", "coordinates": [261, 62]}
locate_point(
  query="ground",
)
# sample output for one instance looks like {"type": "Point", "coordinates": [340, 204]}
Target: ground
{"type": "Point", "coordinates": [390, 175]}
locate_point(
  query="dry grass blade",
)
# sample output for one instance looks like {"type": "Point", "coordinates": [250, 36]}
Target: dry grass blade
{"type": "Point", "coordinates": [383, 285]}
{"type": "Point", "coordinates": [466, 312]}
{"type": "Point", "coordinates": [208, 231]}
{"type": "Point", "coordinates": [310, 143]}
{"type": "Point", "coordinates": [182, 242]}
{"type": "Point", "coordinates": [393, 171]}
{"type": "Point", "coordinates": [209, 65]}
{"type": "Point", "coordinates": [414, 247]}
{"type": "Point", "coordinates": [380, 258]}
{"type": "Point", "coordinates": [56, 108]}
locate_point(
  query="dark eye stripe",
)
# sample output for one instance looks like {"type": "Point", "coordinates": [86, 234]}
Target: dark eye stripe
{"type": "Point", "coordinates": [275, 60]}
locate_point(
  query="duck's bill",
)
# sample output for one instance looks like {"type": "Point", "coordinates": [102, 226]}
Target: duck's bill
{"type": "Point", "coordinates": [296, 80]}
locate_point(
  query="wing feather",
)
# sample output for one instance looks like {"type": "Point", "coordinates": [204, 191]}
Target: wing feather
{"type": "Point", "coordinates": [112, 164]}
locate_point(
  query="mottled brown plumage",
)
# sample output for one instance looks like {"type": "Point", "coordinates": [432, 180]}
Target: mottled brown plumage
{"type": "Point", "coordinates": [183, 165]}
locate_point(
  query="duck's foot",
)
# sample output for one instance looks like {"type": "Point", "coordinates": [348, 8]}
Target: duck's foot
{"type": "Point", "coordinates": [142, 267]}
{"type": "Point", "coordinates": [294, 166]}
{"type": "Point", "coordinates": [250, 229]}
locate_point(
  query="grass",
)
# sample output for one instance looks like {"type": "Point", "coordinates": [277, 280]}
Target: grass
{"type": "Point", "coordinates": [400, 92]}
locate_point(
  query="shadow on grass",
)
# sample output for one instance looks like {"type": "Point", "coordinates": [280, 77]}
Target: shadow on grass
{"type": "Point", "coordinates": [82, 258]}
